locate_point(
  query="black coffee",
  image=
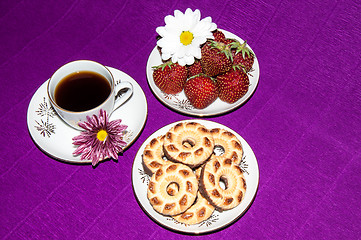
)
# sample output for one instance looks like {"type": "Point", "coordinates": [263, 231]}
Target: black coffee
{"type": "Point", "coordinates": [81, 91]}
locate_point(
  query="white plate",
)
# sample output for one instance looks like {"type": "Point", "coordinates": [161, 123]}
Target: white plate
{"type": "Point", "coordinates": [218, 220]}
{"type": "Point", "coordinates": [180, 103]}
{"type": "Point", "coordinates": [54, 136]}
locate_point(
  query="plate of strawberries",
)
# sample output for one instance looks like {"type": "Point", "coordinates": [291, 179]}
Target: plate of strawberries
{"type": "Point", "coordinates": [223, 79]}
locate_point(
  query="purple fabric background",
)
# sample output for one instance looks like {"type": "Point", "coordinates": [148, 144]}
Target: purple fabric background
{"type": "Point", "coordinates": [303, 122]}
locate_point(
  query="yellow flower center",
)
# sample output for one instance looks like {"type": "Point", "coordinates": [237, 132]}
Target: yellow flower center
{"type": "Point", "coordinates": [102, 135]}
{"type": "Point", "coordinates": [186, 38]}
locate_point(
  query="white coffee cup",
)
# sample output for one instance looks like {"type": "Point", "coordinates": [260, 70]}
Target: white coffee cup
{"type": "Point", "coordinates": [111, 103]}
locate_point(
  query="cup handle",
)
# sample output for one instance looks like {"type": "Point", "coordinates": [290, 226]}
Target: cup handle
{"type": "Point", "coordinates": [123, 91]}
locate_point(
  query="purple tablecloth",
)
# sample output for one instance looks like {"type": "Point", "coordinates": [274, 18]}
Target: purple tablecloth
{"type": "Point", "coordinates": [303, 122]}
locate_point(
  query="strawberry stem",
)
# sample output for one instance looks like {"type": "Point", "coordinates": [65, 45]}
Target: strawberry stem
{"type": "Point", "coordinates": [241, 48]}
{"type": "Point", "coordinates": [202, 75]}
{"type": "Point", "coordinates": [169, 63]}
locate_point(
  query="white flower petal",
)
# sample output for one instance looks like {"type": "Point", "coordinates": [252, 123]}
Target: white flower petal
{"type": "Point", "coordinates": [165, 43]}
{"type": "Point", "coordinates": [207, 19]}
{"type": "Point", "coordinates": [213, 27]}
{"type": "Point", "coordinates": [166, 56]}
{"type": "Point", "coordinates": [161, 31]}
{"type": "Point", "coordinates": [169, 20]}
{"type": "Point", "coordinates": [197, 14]}
{"type": "Point", "coordinates": [189, 60]}
{"type": "Point", "coordinates": [188, 20]}
{"type": "Point", "coordinates": [194, 51]}
{"type": "Point", "coordinates": [181, 51]}
{"type": "Point", "coordinates": [182, 61]}
{"type": "Point", "coordinates": [177, 13]}
{"type": "Point", "coordinates": [161, 42]}
{"type": "Point", "coordinates": [203, 26]}
{"type": "Point", "coordinates": [199, 40]}
{"type": "Point", "coordinates": [198, 54]}
{"type": "Point", "coordinates": [174, 59]}
{"type": "Point", "coordinates": [188, 50]}
{"type": "Point", "coordinates": [196, 18]}
{"type": "Point", "coordinates": [188, 12]}
{"type": "Point", "coordinates": [170, 48]}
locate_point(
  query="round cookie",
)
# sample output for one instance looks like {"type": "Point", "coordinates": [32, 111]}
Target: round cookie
{"type": "Point", "coordinates": [176, 201]}
{"type": "Point", "coordinates": [198, 212]}
{"type": "Point", "coordinates": [229, 143]}
{"type": "Point", "coordinates": [217, 171]}
{"type": "Point", "coordinates": [189, 143]}
{"type": "Point", "coordinates": [153, 155]}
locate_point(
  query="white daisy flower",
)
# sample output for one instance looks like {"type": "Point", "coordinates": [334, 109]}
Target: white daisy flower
{"type": "Point", "coordinates": [183, 34]}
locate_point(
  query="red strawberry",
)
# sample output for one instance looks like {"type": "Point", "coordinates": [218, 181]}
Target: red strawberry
{"type": "Point", "coordinates": [201, 91]}
{"type": "Point", "coordinates": [194, 69]}
{"type": "Point", "coordinates": [232, 85]}
{"type": "Point", "coordinates": [228, 41]}
{"type": "Point", "coordinates": [216, 58]}
{"type": "Point", "coordinates": [218, 35]}
{"type": "Point", "coordinates": [170, 77]}
{"type": "Point", "coordinates": [242, 56]}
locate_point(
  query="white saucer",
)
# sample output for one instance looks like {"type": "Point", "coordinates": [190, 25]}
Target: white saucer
{"type": "Point", "coordinates": [218, 220]}
{"type": "Point", "coordinates": [180, 103]}
{"type": "Point", "coordinates": [54, 136]}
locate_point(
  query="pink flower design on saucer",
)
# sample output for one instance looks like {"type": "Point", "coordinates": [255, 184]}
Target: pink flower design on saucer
{"type": "Point", "coordinates": [101, 138]}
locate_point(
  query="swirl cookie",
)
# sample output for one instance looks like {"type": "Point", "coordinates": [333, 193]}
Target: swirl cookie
{"type": "Point", "coordinates": [220, 169]}
{"type": "Point", "coordinates": [189, 143]}
{"type": "Point", "coordinates": [229, 143]}
{"type": "Point", "coordinates": [178, 200]}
